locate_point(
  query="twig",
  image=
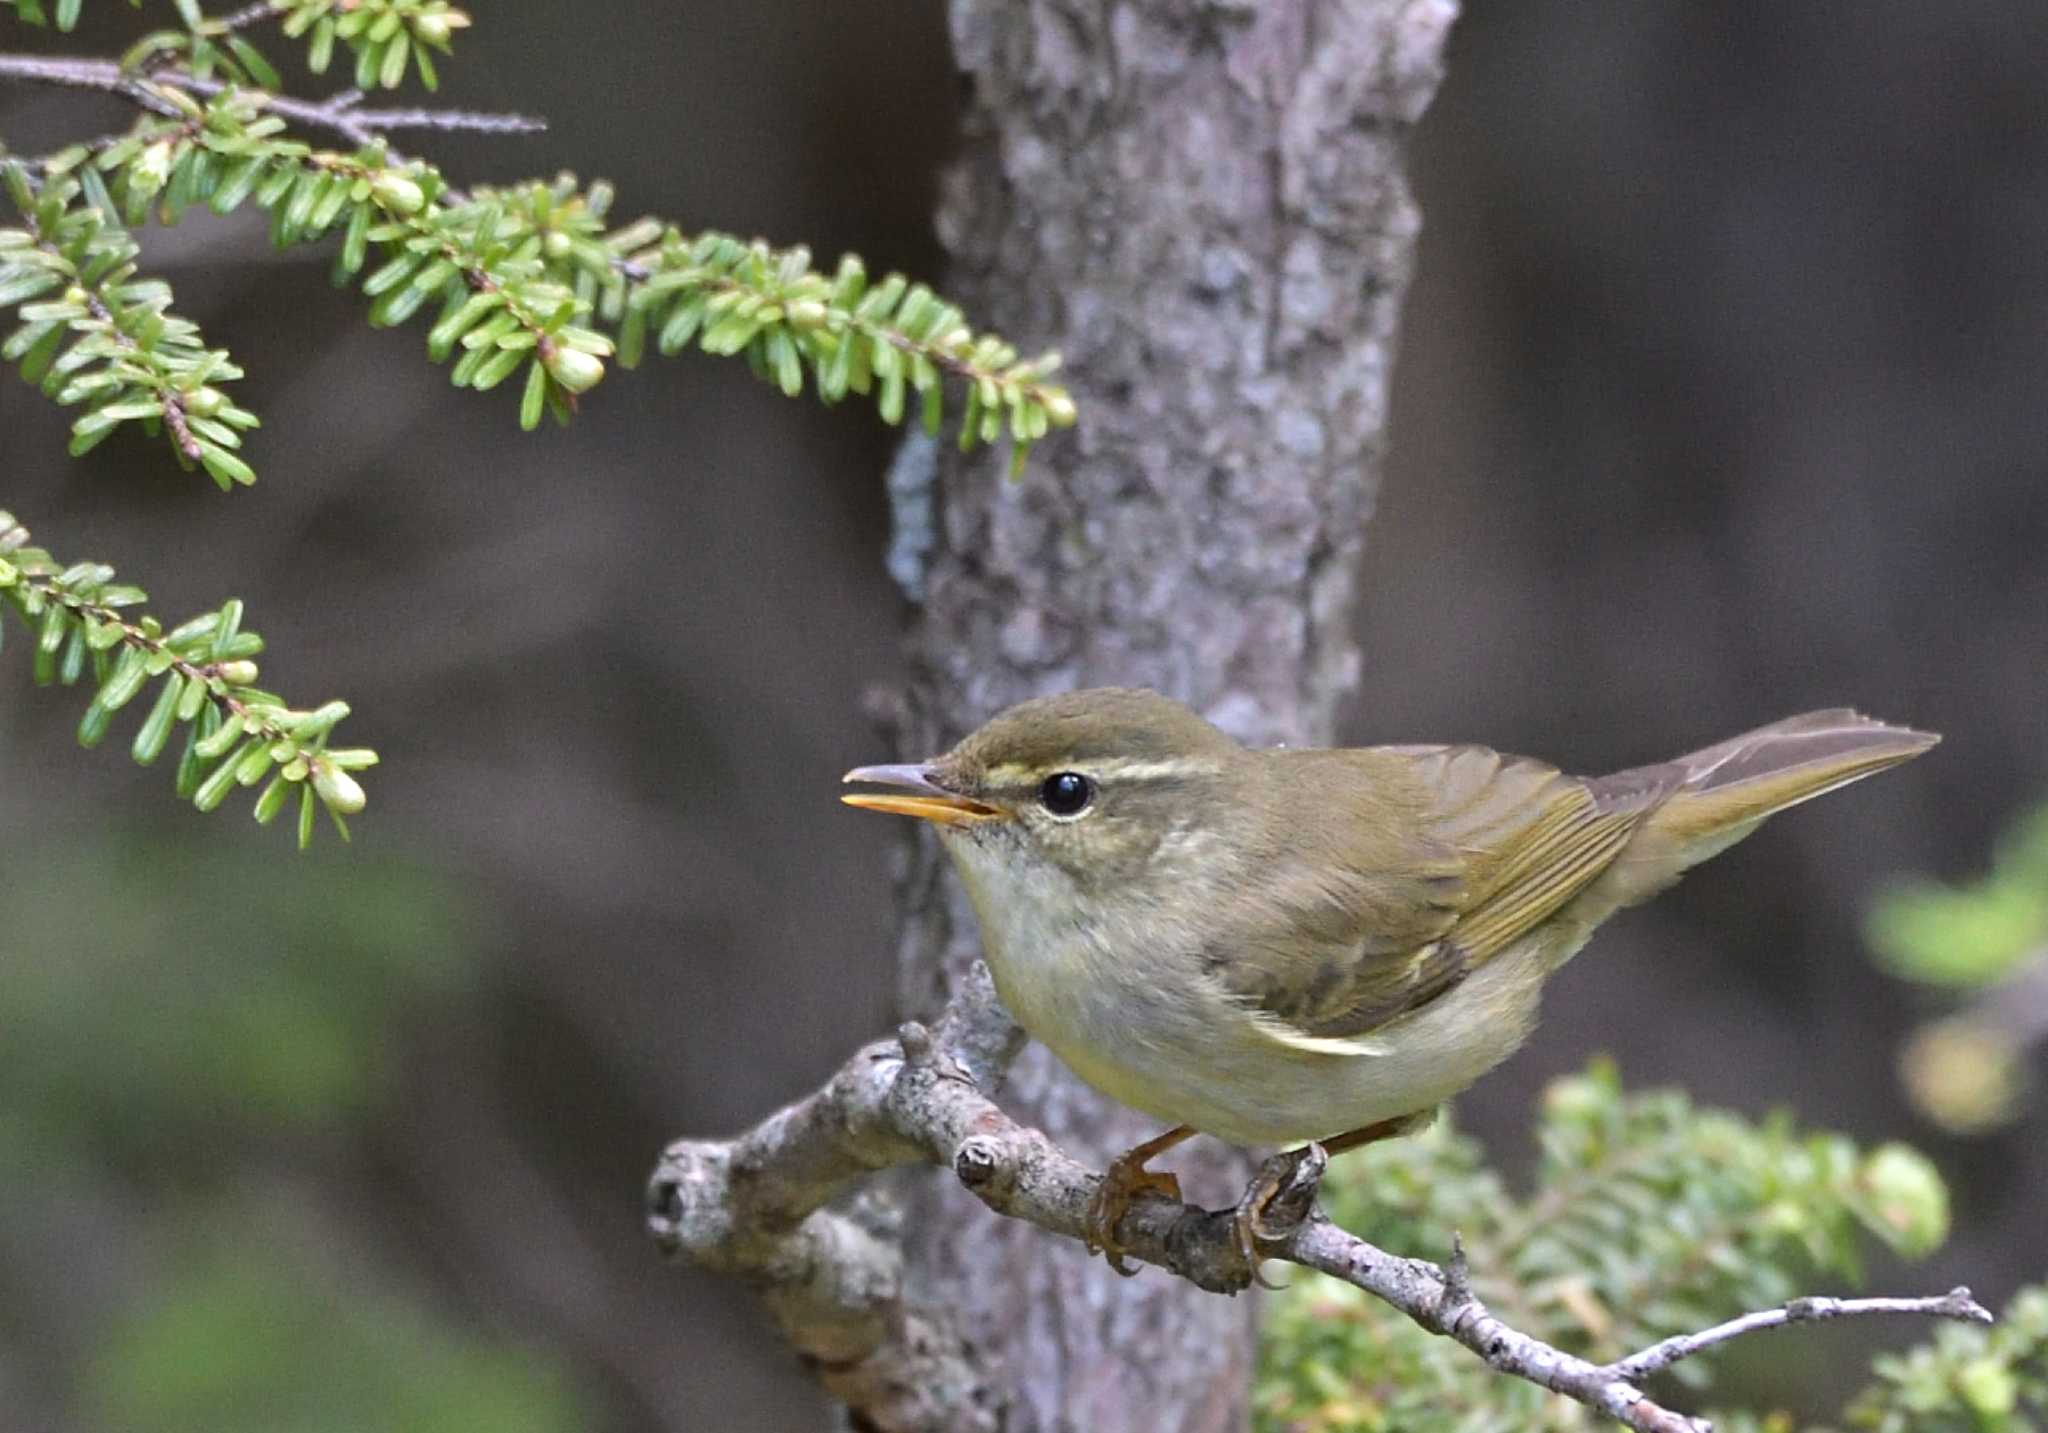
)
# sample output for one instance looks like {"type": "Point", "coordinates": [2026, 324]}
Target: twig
{"type": "Point", "coordinates": [340, 114]}
{"type": "Point", "coordinates": [244, 18]}
{"type": "Point", "coordinates": [102, 75]}
{"type": "Point", "coordinates": [150, 641]}
{"type": "Point", "coordinates": [1955, 1304]}
{"type": "Point", "coordinates": [756, 1206]}
{"type": "Point", "coordinates": [342, 109]}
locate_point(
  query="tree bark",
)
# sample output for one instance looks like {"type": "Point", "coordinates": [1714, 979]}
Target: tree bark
{"type": "Point", "coordinates": [1202, 205]}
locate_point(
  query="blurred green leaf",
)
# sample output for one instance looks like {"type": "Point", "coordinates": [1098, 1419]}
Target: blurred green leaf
{"type": "Point", "coordinates": [278, 1338]}
{"type": "Point", "coordinates": [1973, 934]}
{"type": "Point", "coordinates": [1966, 1379]}
{"type": "Point", "coordinates": [208, 995]}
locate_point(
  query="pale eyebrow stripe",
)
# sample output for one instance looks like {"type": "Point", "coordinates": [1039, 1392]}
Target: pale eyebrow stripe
{"type": "Point", "coordinates": [1157, 770]}
{"type": "Point", "coordinates": [1010, 773]}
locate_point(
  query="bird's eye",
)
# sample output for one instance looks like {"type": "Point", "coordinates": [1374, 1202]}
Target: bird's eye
{"type": "Point", "coordinates": [1066, 793]}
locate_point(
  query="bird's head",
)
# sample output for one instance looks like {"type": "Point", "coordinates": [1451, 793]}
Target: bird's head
{"type": "Point", "coordinates": [1093, 784]}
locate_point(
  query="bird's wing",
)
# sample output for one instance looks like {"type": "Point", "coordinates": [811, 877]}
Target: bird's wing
{"type": "Point", "coordinates": [1455, 854]}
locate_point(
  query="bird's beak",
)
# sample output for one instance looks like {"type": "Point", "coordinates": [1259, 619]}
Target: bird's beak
{"type": "Point", "coordinates": [931, 802]}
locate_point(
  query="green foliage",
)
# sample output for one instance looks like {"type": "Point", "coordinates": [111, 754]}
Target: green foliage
{"type": "Point", "coordinates": [1969, 935]}
{"type": "Point", "coordinates": [258, 1340]}
{"type": "Point", "coordinates": [496, 292]}
{"type": "Point", "coordinates": [101, 337]}
{"type": "Point", "coordinates": [1648, 1217]}
{"type": "Point", "coordinates": [204, 673]}
{"type": "Point", "coordinates": [64, 12]}
{"type": "Point", "coordinates": [215, 1039]}
{"type": "Point", "coordinates": [1966, 1380]}
{"type": "Point", "coordinates": [384, 34]}
{"type": "Point", "coordinates": [878, 340]}
{"type": "Point", "coordinates": [389, 38]}
{"type": "Point", "coordinates": [216, 1006]}
{"type": "Point", "coordinates": [529, 281]}
{"type": "Point", "coordinates": [1968, 1071]}
{"type": "Point", "coordinates": [531, 277]}
{"type": "Point", "coordinates": [518, 276]}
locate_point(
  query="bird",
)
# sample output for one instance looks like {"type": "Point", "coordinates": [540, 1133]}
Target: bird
{"type": "Point", "coordinates": [1269, 945]}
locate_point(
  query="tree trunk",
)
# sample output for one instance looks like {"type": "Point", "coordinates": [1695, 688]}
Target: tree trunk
{"type": "Point", "coordinates": [1202, 205]}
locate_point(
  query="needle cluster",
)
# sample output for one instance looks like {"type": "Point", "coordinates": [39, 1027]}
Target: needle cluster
{"type": "Point", "coordinates": [202, 675]}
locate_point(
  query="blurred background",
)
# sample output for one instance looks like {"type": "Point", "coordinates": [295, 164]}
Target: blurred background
{"type": "Point", "coordinates": [1720, 398]}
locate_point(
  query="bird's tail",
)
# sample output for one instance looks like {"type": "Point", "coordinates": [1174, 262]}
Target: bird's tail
{"type": "Point", "coordinates": [1706, 802]}
{"type": "Point", "coordinates": [1734, 784]}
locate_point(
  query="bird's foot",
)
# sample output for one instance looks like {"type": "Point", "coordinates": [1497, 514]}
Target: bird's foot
{"type": "Point", "coordinates": [1278, 1201]}
{"type": "Point", "coordinates": [1123, 1183]}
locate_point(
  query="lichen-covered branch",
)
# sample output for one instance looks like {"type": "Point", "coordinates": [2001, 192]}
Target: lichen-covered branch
{"type": "Point", "coordinates": [769, 1206]}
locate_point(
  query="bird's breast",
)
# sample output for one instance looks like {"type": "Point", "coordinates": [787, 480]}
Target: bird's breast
{"type": "Point", "coordinates": [1073, 975]}
{"type": "Point", "coordinates": [1124, 999]}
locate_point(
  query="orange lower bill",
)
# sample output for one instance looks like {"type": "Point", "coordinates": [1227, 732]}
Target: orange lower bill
{"type": "Point", "coordinates": [945, 810]}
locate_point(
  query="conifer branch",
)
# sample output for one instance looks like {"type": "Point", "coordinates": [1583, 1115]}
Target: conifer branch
{"type": "Point", "coordinates": [78, 74]}
{"type": "Point", "coordinates": [236, 734]}
{"type": "Point", "coordinates": [388, 37]}
{"type": "Point", "coordinates": [248, 17]}
{"type": "Point", "coordinates": [107, 340]}
{"type": "Point", "coordinates": [528, 278]}
{"type": "Point", "coordinates": [521, 272]}
{"type": "Point", "coordinates": [384, 34]}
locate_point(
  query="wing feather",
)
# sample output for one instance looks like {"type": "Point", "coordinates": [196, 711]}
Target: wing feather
{"type": "Point", "coordinates": [1455, 853]}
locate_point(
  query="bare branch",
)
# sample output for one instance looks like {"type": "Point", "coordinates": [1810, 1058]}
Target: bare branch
{"type": "Point", "coordinates": [472, 121]}
{"type": "Point", "coordinates": [102, 75]}
{"type": "Point", "coordinates": [340, 114]}
{"type": "Point", "coordinates": [244, 18]}
{"type": "Point", "coordinates": [1955, 1304]}
{"type": "Point", "coordinates": [756, 1206]}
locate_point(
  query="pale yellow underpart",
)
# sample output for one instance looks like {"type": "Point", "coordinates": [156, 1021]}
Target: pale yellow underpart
{"type": "Point", "coordinates": [1169, 1041]}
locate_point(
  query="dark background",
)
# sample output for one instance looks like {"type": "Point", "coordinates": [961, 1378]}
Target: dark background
{"type": "Point", "coordinates": [1720, 398]}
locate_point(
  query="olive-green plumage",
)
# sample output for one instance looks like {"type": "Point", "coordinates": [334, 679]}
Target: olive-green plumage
{"type": "Point", "coordinates": [1282, 944]}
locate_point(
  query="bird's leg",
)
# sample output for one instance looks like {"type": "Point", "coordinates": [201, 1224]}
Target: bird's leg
{"type": "Point", "coordinates": [1124, 1180]}
{"type": "Point", "coordinates": [1282, 1193]}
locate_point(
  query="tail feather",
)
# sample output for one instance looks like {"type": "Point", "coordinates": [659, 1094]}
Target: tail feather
{"type": "Point", "coordinates": [1746, 778]}
{"type": "Point", "coordinates": [1703, 803]}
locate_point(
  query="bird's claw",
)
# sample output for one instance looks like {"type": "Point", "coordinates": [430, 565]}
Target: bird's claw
{"type": "Point", "coordinates": [1277, 1202]}
{"type": "Point", "coordinates": [1123, 1183]}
